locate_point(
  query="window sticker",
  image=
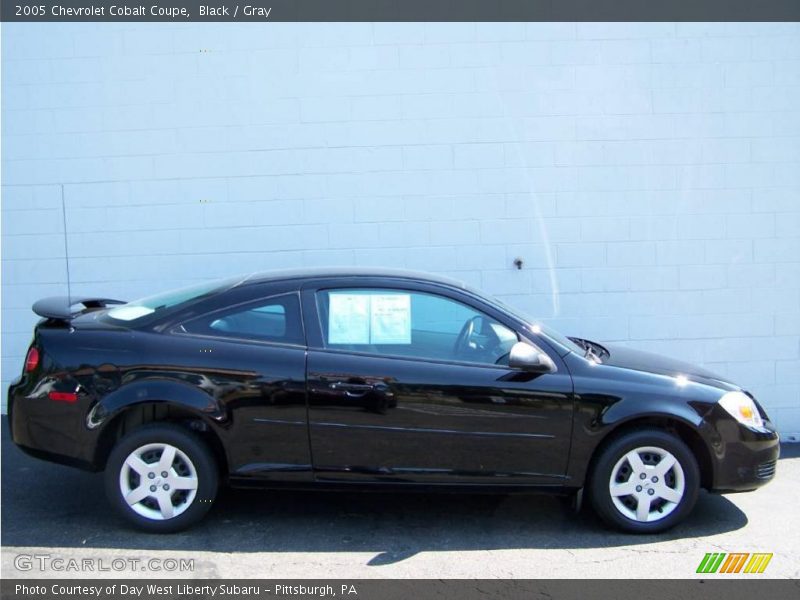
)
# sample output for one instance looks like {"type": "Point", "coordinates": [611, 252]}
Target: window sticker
{"type": "Point", "coordinates": [390, 319]}
{"type": "Point", "coordinates": [348, 318]}
{"type": "Point", "coordinates": [369, 318]}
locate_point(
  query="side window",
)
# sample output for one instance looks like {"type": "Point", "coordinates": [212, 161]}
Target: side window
{"type": "Point", "coordinates": [415, 324]}
{"type": "Point", "coordinates": [272, 320]}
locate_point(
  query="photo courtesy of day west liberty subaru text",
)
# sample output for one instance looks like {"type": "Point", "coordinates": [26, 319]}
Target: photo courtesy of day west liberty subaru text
{"type": "Point", "coordinates": [184, 590]}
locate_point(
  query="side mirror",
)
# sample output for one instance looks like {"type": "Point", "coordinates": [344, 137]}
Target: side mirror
{"type": "Point", "coordinates": [527, 358]}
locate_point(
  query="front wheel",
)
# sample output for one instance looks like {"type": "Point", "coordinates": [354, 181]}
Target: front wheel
{"type": "Point", "coordinates": [161, 478]}
{"type": "Point", "coordinates": [644, 482]}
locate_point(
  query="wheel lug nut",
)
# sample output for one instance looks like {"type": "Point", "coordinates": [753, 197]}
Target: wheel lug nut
{"type": "Point", "coordinates": [151, 475]}
{"type": "Point", "coordinates": [638, 488]}
{"type": "Point", "coordinates": [651, 491]}
{"type": "Point", "coordinates": [642, 476]}
{"type": "Point", "coordinates": [166, 487]}
{"type": "Point", "coordinates": [164, 473]}
{"type": "Point", "coordinates": [153, 488]}
{"type": "Point", "coordinates": [655, 479]}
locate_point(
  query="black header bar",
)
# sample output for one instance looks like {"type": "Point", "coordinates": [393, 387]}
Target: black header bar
{"type": "Point", "coordinates": [399, 10]}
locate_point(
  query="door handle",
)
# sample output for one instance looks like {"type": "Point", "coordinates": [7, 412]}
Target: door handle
{"type": "Point", "coordinates": [352, 389]}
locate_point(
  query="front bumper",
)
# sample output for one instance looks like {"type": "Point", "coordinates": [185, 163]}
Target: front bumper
{"type": "Point", "coordinates": [743, 458]}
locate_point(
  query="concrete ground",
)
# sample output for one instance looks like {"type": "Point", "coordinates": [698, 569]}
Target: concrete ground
{"type": "Point", "coordinates": [61, 513]}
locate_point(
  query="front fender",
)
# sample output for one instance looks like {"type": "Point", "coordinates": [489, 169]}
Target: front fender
{"type": "Point", "coordinates": [689, 413]}
{"type": "Point", "coordinates": [609, 398]}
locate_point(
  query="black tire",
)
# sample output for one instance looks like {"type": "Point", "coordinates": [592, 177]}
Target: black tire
{"type": "Point", "coordinates": [600, 480]}
{"type": "Point", "coordinates": [201, 460]}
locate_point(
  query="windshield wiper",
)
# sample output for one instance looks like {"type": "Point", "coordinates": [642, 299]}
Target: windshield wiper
{"type": "Point", "coordinates": [592, 349]}
{"type": "Point", "coordinates": [584, 344]}
{"type": "Point", "coordinates": [578, 341]}
{"type": "Point", "coordinates": [602, 351]}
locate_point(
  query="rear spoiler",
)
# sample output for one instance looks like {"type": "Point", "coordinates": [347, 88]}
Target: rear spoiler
{"type": "Point", "coordinates": [60, 307]}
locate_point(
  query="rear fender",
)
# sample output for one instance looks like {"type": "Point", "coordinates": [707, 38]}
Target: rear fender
{"type": "Point", "coordinates": [156, 391]}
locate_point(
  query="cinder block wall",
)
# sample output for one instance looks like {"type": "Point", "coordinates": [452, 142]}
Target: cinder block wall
{"type": "Point", "coordinates": [647, 174]}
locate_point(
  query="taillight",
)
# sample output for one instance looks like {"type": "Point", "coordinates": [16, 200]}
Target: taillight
{"type": "Point", "coordinates": [63, 396]}
{"type": "Point", "coordinates": [32, 360]}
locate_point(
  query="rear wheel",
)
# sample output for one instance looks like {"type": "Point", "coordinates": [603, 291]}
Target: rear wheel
{"type": "Point", "coordinates": [644, 482]}
{"type": "Point", "coordinates": [161, 478]}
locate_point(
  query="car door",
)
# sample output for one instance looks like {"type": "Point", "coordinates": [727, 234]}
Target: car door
{"type": "Point", "coordinates": [250, 355]}
{"type": "Point", "coordinates": [397, 393]}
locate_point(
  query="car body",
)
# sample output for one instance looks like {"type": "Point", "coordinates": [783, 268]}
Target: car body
{"type": "Point", "coordinates": [356, 378]}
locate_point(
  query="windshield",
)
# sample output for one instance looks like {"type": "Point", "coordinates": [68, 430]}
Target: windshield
{"type": "Point", "coordinates": [151, 304]}
{"type": "Point", "coordinates": [535, 326]}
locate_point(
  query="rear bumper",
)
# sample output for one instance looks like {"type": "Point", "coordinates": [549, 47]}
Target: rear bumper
{"type": "Point", "coordinates": [744, 458]}
{"type": "Point", "coordinates": [49, 430]}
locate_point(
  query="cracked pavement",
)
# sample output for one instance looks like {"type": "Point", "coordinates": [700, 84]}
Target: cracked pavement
{"type": "Point", "coordinates": [52, 510]}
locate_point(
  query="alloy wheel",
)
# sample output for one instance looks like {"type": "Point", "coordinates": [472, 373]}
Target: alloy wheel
{"type": "Point", "coordinates": [647, 484]}
{"type": "Point", "coordinates": [158, 481]}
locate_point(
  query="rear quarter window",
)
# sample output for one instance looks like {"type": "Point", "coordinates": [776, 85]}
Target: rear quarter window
{"type": "Point", "coordinates": [275, 320]}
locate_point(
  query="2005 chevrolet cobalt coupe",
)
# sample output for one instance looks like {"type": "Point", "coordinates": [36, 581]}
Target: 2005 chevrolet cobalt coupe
{"type": "Point", "coordinates": [386, 379]}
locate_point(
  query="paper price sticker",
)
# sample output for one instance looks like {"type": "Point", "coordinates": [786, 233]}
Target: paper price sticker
{"type": "Point", "coordinates": [390, 319]}
{"type": "Point", "coordinates": [369, 318]}
{"type": "Point", "coordinates": [348, 319]}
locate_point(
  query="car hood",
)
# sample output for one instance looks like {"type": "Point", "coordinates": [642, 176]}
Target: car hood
{"type": "Point", "coordinates": [637, 360]}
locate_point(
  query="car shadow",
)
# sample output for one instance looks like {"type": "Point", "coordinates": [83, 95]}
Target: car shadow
{"type": "Point", "coordinates": [47, 505]}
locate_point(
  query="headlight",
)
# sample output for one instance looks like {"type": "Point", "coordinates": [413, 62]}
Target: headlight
{"type": "Point", "coordinates": [742, 408]}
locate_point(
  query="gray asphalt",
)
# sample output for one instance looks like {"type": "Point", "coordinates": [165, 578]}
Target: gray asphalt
{"type": "Point", "coordinates": [55, 511]}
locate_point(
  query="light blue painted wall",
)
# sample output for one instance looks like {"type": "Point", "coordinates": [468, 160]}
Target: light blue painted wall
{"type": "Point", "coordinates": [648, 174]}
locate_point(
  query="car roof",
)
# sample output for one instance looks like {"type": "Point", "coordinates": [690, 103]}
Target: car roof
{"type": "Point", "coordinates": [347, 272]}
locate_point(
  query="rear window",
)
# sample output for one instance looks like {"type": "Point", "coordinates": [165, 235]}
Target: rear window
{"type": "Point", "coordinates": [152, 304]}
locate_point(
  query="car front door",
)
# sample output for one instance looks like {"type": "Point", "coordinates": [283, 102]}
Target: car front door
{"type": "Point", "coordinates": [408, 382]}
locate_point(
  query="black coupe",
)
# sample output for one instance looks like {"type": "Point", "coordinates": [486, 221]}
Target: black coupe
{"type": "Point", "coordinates": [387, 379]}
